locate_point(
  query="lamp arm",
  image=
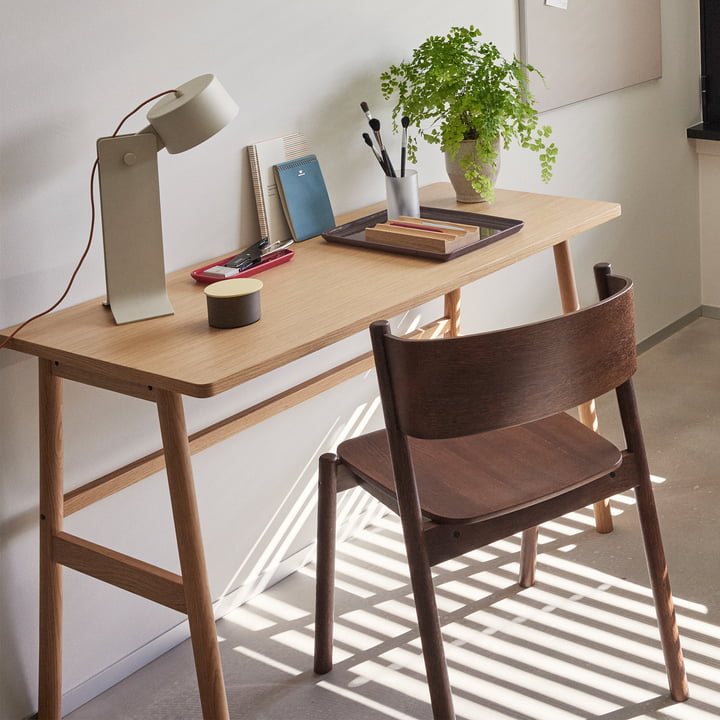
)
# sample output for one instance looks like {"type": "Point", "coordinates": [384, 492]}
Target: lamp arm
{"type": "Point", "coordinates": [150, 130]}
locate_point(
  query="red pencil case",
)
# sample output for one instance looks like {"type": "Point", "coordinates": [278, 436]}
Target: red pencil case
{"type": "Point", "coordinates": [272, 260]}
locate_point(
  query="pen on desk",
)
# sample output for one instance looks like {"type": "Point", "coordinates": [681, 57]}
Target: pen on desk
{"type": "Point", "coordinates": [378, 157]}
{"type": "Point", "coordinates": [389, 170]}
{"type": "Point", "coordinates": [405, 121]}
{"type": "Point", "coordinates": [249, 257]}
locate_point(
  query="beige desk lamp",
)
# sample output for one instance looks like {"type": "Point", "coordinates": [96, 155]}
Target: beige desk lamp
{"type": "Point", "coordinates": [130, 193]}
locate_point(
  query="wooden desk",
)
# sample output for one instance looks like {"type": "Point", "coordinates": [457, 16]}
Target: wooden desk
{"type": "Point", "coordinates": [326, 293]}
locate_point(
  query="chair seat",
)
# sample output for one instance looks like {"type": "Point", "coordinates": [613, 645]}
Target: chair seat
{"type": "Point", "coordinates": [463, 480]}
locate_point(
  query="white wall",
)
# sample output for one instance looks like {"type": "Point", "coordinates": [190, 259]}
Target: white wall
{"type": "Point", "coordinates": [70, 71]}
{"type": "Point", "coordinates": [709, 172]}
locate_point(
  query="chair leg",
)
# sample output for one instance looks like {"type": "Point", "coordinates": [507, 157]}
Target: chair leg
{"type": "Point", "coordinates": [428, 620]}
{"type": "Point", "coordinates": [654, 552]}
{"type": "Point", "coordinates": [325, 581]}
{"type": "Point", "coordinates": [662, 595]}
{"type": "Point", "coordinates": [528, 557]}
{"type": "Point", "coordinates": [432, 646]}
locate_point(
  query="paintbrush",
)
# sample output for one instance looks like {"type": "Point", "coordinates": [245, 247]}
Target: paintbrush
{"type": "Point", "coordinates": [405, 121]}
{"type": "Point", "coordinates": [366, 110]}
{"type": "Point", "coordinates": [378, 157]}
{"type": "Point", "coordinates": [375, 125]}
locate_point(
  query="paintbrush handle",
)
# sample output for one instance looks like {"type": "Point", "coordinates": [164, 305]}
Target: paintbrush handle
{"type": "Point", "coordinates": [403, 147]}
{"type": "Point", "coordinates": [377, 155]}
{"type": "Point", "coordinates": [381, 162]}
{"type": "Point", "coordinates": [390, 171]}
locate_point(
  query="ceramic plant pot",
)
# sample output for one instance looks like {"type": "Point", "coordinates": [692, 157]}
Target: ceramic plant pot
{"type": "Point", "coordinates": [464, 190]}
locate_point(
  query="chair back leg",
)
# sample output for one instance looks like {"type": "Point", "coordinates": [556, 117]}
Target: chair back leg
{"type": "Point", "coordinates": [654, 551]}
{"type": "Point", "coordinates": [662, 595]}
{"type": "Point", "coordinates": [325, 582]}
{"type": "Point", "coordinates": [432, 644]}
{"type": "Point", "coordinates": [427, 615]}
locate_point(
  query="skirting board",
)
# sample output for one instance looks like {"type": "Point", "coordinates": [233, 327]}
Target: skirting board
{"type": "Point", "coordinates": [710, 312]}
{"type": "Point", "coordinates": [707, 311]}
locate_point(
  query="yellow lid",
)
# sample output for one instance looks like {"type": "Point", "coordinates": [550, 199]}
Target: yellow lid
{"type": "Point", "coordinates": [233, 287]}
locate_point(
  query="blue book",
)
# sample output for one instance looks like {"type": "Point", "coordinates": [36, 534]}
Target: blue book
{"type": "Point", "coordinates": [304, 197]}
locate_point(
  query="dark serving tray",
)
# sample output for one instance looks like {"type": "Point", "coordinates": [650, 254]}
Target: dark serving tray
{"type": "Point", "coordinates": [491, 229]}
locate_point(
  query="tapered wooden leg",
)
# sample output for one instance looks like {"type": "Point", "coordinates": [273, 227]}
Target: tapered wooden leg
{"type": "Point", "coordinates": [660, 583]}
{"type": "Point", "coordinates": [452, 312]}
{"type": "Point", "coordinates": [528, 557]}
{"type": "Point", "coordinates": [51, 523]}
{"type": "Point", "coordinates": [192, 559]}
{"type": "Point", "coordinates": [570, 302]}
{"type": "Point", "coordinates": [425, 605]}
{"type": "Point", "coordinates": [654, 551]}
{"type": "Point", "coordinates": [431, 637]}
{"type": "Point", "coordinates": [325, 573]}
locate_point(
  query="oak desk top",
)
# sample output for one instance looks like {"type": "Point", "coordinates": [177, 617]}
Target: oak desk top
{"type": "Point", "coordinates": [327, 292]}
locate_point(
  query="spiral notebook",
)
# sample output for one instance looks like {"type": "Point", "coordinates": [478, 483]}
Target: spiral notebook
{"type": "Point", "coordinates": [304, 197]}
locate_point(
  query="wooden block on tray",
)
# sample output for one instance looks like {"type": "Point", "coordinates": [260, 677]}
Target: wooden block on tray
{"type": "Point", "coordinates": [472, 230]}
{"type": "Point", "coordinates": [421, 234]}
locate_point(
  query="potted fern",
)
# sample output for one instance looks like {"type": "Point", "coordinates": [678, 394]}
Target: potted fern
{"type": "Point", "coordinates": [464, 96]}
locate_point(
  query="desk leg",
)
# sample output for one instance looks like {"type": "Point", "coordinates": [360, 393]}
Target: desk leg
{"type": "Point", "coordinates": [452, 312]}
{"type": "Point", "coordinates": [51, 522]}
{"type": "Point", "coordinates": [570, 303]}
{"type": "Point", "coordinates": [192, 559]}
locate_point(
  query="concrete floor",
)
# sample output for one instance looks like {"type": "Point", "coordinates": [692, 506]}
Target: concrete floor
{"type": "Point", "coordinates": [581, 644]}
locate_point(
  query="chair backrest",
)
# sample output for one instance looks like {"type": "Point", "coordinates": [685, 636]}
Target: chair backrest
{"type": "Point", "coordinates": [458, 386]}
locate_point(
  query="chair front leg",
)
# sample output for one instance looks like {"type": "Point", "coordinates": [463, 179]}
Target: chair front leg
{"type": "Point", "coordinates": [528, 557]}
{"type": "Point", "coordinates": [325, 573]}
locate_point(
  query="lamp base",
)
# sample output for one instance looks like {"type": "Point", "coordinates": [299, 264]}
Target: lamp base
{"type": "Point", "coordinates": [140, 307]}
{"type": "Point", "coordinates": [132, 227]}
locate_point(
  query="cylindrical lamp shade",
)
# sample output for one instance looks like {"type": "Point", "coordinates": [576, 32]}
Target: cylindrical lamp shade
{"type": "Point", "coordinates": [199, 109]}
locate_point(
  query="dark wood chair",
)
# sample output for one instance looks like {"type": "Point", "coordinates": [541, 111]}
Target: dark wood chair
{"type": "Point", "coordinates": [478, 447]}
